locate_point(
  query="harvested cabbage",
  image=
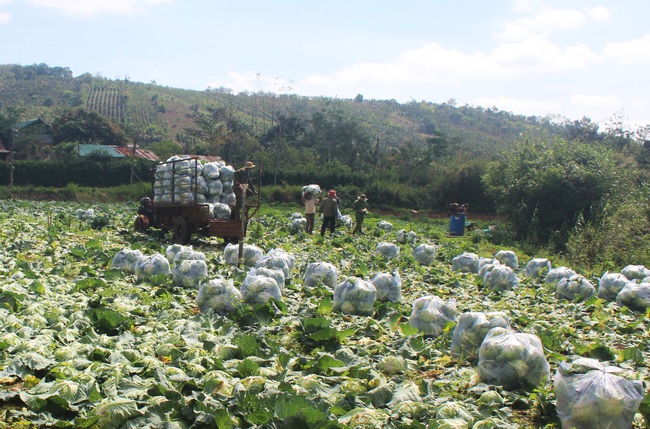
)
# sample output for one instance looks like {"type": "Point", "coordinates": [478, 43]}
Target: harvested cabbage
{"type": "Point", "coordinates": [211, 170]}
{"type": "Point", "coordinates": [226, 173]}
{"type": "Point", "coordinates": [592, 395]}
{"type": "Point", "coordinates": [610, 284]}
{"type": "Point", "coordinates": [512, 360]}
{"type": "Point", "coordinates": [321, 273]}
{"type": "Point", "coordinates": [126, 260]}
{"type": "Point", "coordinates": [260, 289]}
{"type": "Point", "coordinates": [470, 331]}
{"type": "Point", "coordinates": [173, 249]}
{"type": "Point", "coordinates": [404, 237]}
{"type": "Point", "coordinates": [215, 188]}
{"type": "Point", "coordinates": [575, 288]}
{"type": "Point", "coordinates": [275, 274]}
{"type": "Point", "coordinates": [346, 220]}
{"type": "Point", "coordinates": [151, 266]}
{"type": "Point", "coordinates": [387, 250]}
{"type": "Point", "coordinates": [425, 254]}
{"type": "Point", "coordinates": [485, 267]}
{"type": "Point", "coordinates": [537, 267]}
{"type": "Point", "coordinates": [431, 314]}
{"type": "Point", "coordinates": [228, 198]}
{"type": "Point", "coordinates": [314, 190]}
{"type": "Point", "coordinates": [299, 224]}
{"type": "Point", "coordinates": [386, 226]}
{"type": "Point", "coordinates": [222, 211]}
{"type": "Point", "coordinates": [277, 260]}
{"type": "Point", "coordinates": [189, 254]}
{"type": "Point", "coordinates": [500, 278]}
{"type": "Point", "coordinates": [389, 286]}
{"type": "Point", "coordinates": [218, 295]}
{"type": "Point", "coordinates": [557, 274]}
{"type": "Point", "coordinates": [507, 258]}
{"type": "Point", "coordinates": [635, 272]}
{"type": "Point", "coordinates": [189, 273]}
{"type": "Point", "coordinates": [82, 214]}
{"type": "Point", "coordinates": [635, 296]}
{"type": "Point", "coordinates": [355, 296]}
{"type": "Point", "coordinates": [465, 262]}
{"type": "Point", "coordinates": [250, 255]}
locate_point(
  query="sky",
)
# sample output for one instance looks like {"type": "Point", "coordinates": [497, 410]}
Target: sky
{"type": "Point", "coordinates": [567, 58]}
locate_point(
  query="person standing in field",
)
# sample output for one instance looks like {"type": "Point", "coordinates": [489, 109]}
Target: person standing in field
{"type": "Point", "coordinates": [360, 206]}
{"type": "Point", "coordinates": [242, 185]}
{"type": "Point", "coordinates": [329, 208]}
{"type": "Point", "coordinates": [310, 210]}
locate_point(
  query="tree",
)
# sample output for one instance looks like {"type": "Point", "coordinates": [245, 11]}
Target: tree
{"type": "Point", "coordinates": [86, 127]}
{"type": "Point", "coordinates": [164, 148]}
{"type": "Point", "coordinates": [8, 123]}
{"type": "Point", "coordinates": [544, 187]}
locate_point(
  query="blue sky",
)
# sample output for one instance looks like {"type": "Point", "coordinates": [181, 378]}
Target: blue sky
{"type": "Point", "coordinates": [569, 58]}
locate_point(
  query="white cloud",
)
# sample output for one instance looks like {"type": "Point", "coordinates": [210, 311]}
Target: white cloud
{"type": "Point", "coordinates": [598, 13]}
{"type": "Point", "coordinates": [88, 8]}
{"type": "Point", "coordinates": [5, 17]}
{"type": "Point", "coordinates": [630, 52]}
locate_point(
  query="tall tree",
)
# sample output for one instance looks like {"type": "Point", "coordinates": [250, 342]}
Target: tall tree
{"type": "Point", "coordinates": [86, 127]}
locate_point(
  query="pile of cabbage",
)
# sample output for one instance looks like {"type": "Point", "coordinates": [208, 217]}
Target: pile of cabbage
{"type": "Point", "coordinates": [431, 314]}
{"type": "Point", "coordinates": [387, 250]}
{"type": "Point", "coordinates": [262, 284]}
{"type": "Point", "coordinates": [250, 254]}
{"type": "Point", "coordinates": [575, 288]}
{"type": "Point", "coordinates": [133, 261]}
{"type": "Point", "coordinates": [389, 286]}
{"type": "Point", "coordinates": [466, 261]}
{"type": "Point", "coordinates": [355, 296]}
{"type": "Point", "coordinates": [218, 295]}
{"type": "Point", "coordinates": [512, 360]}
{"type": "Point", "coordinates": [385, 225]}
{"type": "Point", "coordinates": [425, 254]}
{"type": "Point", "coordinates": [404, 237]}
{"type": "Point", "coordinates": [188, 180]}
{"type": "Point", "coordinates": [298, 223]}
{"type": "Point", "coordinates": [592, 395]}
{"type": "Point", "coordinates": [470, 331]}
{"type": "Point", "coordinates": [189, 267]}
{"type": "Point", "coordinates": [321, 273]}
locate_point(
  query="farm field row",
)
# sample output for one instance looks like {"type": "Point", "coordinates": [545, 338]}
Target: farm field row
{"type": "Point", "coordinates": [83, 344]}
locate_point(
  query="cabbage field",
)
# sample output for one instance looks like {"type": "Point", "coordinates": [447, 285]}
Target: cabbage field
{"type": "Point", "coordinates": [404, 327]}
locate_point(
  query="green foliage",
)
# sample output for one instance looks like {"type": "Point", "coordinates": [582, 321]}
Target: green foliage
{"type": "Point", "coordinates": [544, 187]}
{"type": "Point", "coordinates": [625, 224]}
{"type": "Point", "coordinates": [86, 127]}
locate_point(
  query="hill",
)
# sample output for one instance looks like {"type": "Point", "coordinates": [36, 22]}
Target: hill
{"type": "Point", "coordinates": [148, 112]}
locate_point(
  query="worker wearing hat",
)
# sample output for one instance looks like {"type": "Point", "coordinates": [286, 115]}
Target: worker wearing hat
{"type": "Point", "coordinates": [242, 182]}
{"type": "Point", "coordinates": [360, 206]}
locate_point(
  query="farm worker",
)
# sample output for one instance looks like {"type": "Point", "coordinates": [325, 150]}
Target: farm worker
{"type": "Point", "coordinates": [310, 210]}
{"type": "Point", "coordinates": [329, 208]}
{"type": "Point", "coordinates": [360, 206]}
{"type": "Point", "coordinates": [242, 182]}
{"type": "Point", "coordinates": [146, 208]}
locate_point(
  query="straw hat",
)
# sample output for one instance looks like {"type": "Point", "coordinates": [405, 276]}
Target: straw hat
{"type": "Point", "coordinates": [248, 165]}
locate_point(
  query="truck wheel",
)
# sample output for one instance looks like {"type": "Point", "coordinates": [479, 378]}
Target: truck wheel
{"type": "Point", "coordinates": [182, 230]}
